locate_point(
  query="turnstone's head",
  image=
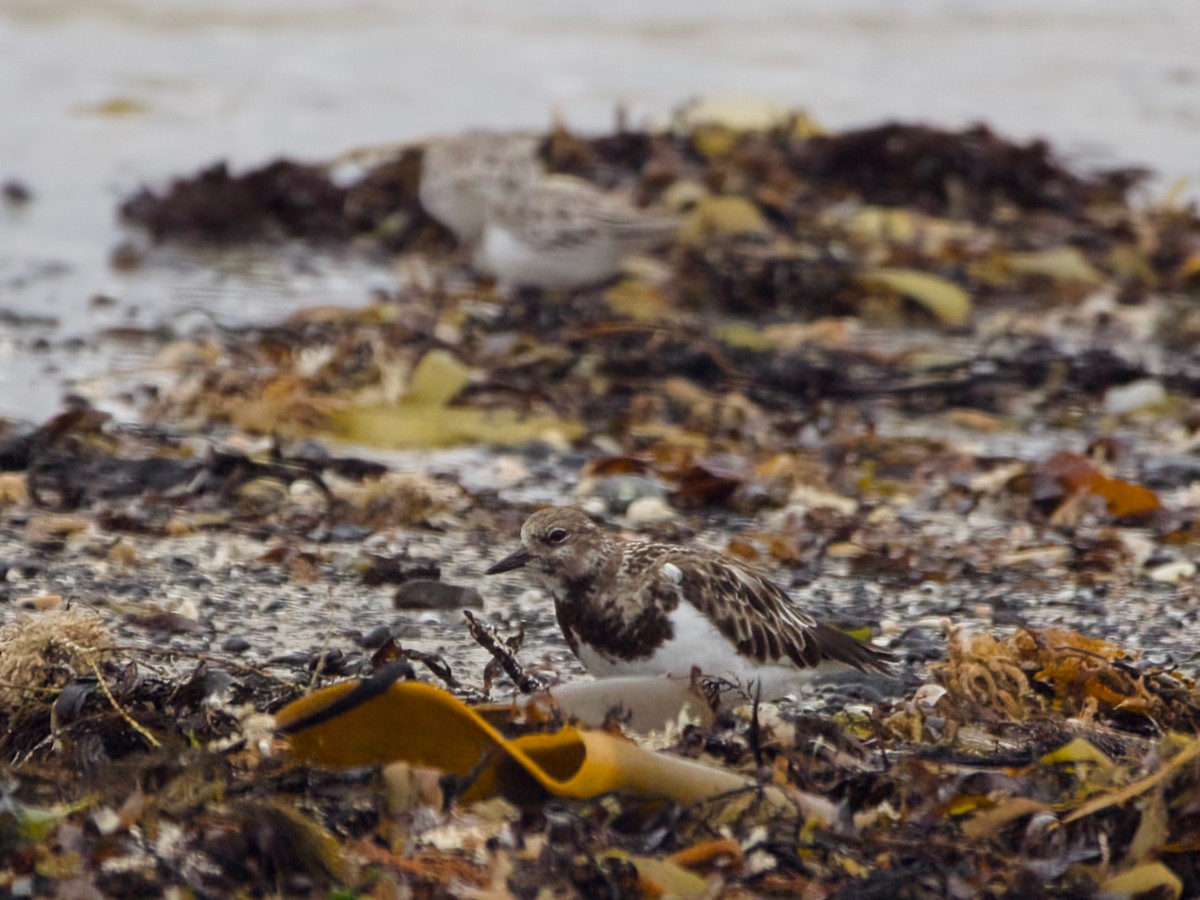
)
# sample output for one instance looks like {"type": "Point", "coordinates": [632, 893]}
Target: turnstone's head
{"type": "Point", "coordinates": [462, 176]}
{"type": "Point", "coordinates": [560, 544]}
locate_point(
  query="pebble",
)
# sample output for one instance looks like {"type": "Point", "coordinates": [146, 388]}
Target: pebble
{"type": "Point", "coordinates": [235, 644]}
{"type": "Point", "coordinates": [346, 531]}
{"type": "Point", "coordinates": [425, 593]}
{"type": "Point", "coordinates": [377, 570]}
{"type": "Point", "coordinates": [1176, 470]}
{"type": "Point", "coordinates": [920, 643]}
{"type": "Point", "coordinates": [1173, 572]}
{"type": "Point", "coordinates": [619, 492]}
{"type": "Point", "coordinates": [1125, 398]}
{"type": "Point", "coordinates": [649, 509]}
{"type": "Point", "coordinates": [376, 637]}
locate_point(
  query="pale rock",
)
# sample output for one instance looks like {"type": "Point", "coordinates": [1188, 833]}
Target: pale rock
{"type": "Point", "coordinates": [645, 510]}
{"type": "Point", "coordinates": [1177, 572]}
{"type": "Point", "coordinates": [1136, 395]}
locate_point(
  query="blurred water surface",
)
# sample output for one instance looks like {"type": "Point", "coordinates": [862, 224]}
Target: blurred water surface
{"type": "Point", "coordinates": [100, 96]}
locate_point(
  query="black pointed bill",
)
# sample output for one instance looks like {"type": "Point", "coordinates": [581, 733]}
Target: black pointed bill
{"type": "Point", "coordinates": [513, 561]}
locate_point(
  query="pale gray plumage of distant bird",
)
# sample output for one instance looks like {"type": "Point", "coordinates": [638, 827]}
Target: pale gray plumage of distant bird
{"type": "Point", "coordinates": [641, 608]}
{"type": "Point", "coordinates": [561, 233]}
{"type": "Point", "coordinates": [462, 175]}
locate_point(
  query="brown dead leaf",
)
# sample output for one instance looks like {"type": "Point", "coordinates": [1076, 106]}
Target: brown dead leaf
{"type": "Point", "coordinates": [1154, 827]}
{"type": "Point", "coordinates": [710, 481]}
{"type": "Point", "coordinates": [944, 299]}
{"type": "Point", "coordinates": [742, 549]}
{"type": "Point", "coordinates": [1076, 475]}
{"type": "Point", "coordinates": [1141, 880]}
{"type": "Point", "coordinates": [1189, 752]}
{"type": "Point", "coordinates": [988, 822]}
{"type": "Point", "coordinates": [709, 853]}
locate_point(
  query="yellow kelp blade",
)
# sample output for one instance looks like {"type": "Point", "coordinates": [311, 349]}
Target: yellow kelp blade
{"type": "Point", "coordinates": [578, 763]}
{"type": "Point", "coordinates": [424, 725]}
{"type": "Point", "coordinates": [408, 721]}
{"type": "Point", "coordinates": [940, 296]}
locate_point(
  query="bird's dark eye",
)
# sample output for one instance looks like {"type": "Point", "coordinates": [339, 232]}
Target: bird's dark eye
{"type": "Point", "coordinates": [557, 536]}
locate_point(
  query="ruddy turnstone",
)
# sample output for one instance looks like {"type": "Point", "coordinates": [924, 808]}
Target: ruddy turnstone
{"type": "Point", "coordinates": [561, 233]}
{"type": "Point", "coordinates": [462, 175]}
{"type": "Point", "coordinates": [635, 607]}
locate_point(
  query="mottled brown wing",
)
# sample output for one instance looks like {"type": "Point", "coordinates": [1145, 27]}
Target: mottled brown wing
{"type": "Point", "coordinates": [629, 225]}
{"type": "Point", "coordinates": [762, 620]}
{"type": "Point", "coordinates": [580, 215]}
{"type": "Point", "coordinates": [553, 217]}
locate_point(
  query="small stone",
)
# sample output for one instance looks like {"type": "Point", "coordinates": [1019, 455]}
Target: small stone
{"type": "Point", "coordinates": [1173, 572]}
{"type": "Point", "coordinates": [1176, 470]}
{"type": "Point", "coordinates": [649, 509]}
{"type": "Point", "coordinates": [346, 531]}
{"type": "Point", "coordinates": [375, 638]}
{"type": "Point", "coordinates": [1133, 396]}
{"type": "Point", "coordinates": [425, 593]}
{"type": "Point", "coordinates": [376, 570]}
{"type": "Point", "coordinates": [106, 820]}
{"type": "Point", "coordinates": [235, 644]}
{"type": "Point", "coordinates": [619, 491]}
{"type": "Point", "coordinates": [306, 498]}
{"type": "Point", "coordinates": [845, 550]}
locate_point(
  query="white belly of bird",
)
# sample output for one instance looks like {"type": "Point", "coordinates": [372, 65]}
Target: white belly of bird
{"type": "Point", "coordinates": [697, 643]}
{"type": "Point", "coordinates": [511, 261]}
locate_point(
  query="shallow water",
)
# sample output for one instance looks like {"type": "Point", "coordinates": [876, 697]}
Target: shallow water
{"type": "Point", "coordinates": [101, 96]}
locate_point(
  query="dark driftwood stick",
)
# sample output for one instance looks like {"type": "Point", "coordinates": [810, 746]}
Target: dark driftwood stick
{"type": "Point", "coordinates": [485, 637]}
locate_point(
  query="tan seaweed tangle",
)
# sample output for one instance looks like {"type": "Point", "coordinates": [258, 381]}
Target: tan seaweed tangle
{"type": "Point", "coordinates": [49, 650]}
{"type": "Point", "coordinates": [984, 673]}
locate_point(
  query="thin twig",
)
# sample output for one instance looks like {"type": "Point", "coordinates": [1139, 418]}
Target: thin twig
{"type": "Point", "coordinates": [205, 656]}
{"type": "Point", "coordinates": [435, 664]}
{"type": "Point", "coordinates": [320, 666]}
{"type": "Point", "coordinates": [30, 689]}
{"type": "Point", "coordinates": [150, 739]}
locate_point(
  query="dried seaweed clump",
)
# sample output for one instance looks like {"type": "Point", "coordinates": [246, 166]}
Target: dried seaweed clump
{"type": "Point", "coordinates": [399, 499]}
{"type": "Point", "coordinates": [984, 674]}
{"type": "Point", "coordinates": [1059, 671]}
{"type": "Point", "coordinates": [49, 650]}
